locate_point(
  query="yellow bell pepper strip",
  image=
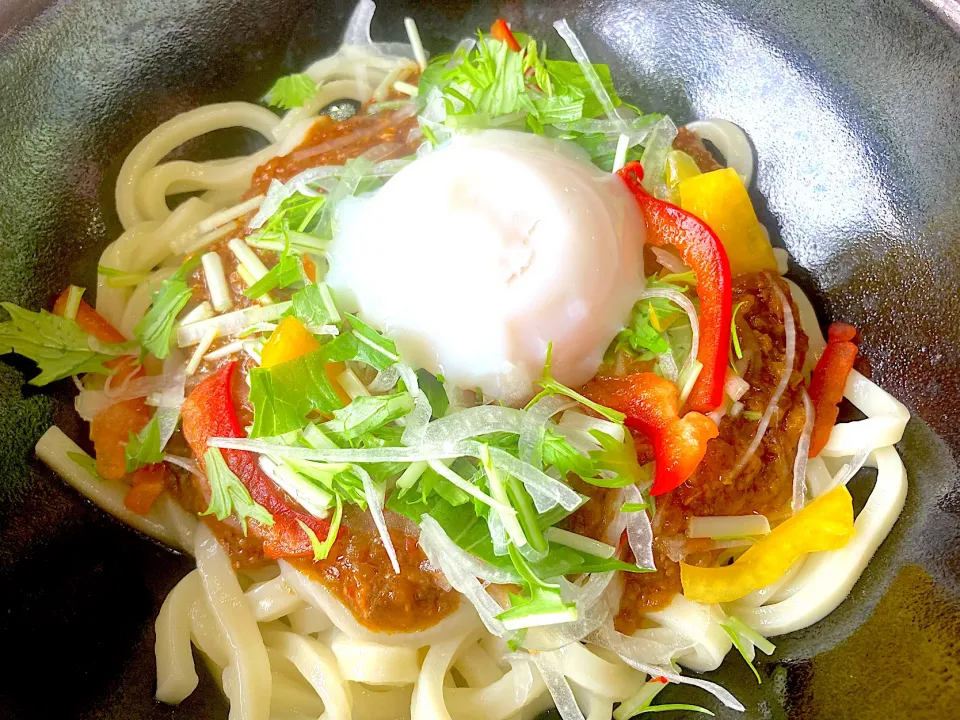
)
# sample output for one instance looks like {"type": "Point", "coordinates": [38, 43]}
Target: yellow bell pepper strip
{"type": "Point", "coordinates": [720, 200]}
{"type": "Point", "coordinates": [825, 524]}
{"type": "Point", "coordinates": [291, 340]}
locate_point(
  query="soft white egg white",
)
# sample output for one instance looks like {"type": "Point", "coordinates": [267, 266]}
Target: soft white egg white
{"type": "Point", "coordinates": [476, 256]}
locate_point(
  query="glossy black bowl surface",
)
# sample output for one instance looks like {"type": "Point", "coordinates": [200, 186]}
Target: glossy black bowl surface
{"type": "Point", "coordinates": [854, 109]}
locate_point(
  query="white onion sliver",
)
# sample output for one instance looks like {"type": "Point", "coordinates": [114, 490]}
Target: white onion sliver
{"type": "Point", "coordinates": [846, 473]}
{"type": "Point", "coordinates": [803, 455]}
{"type": "Point", "coordinates": [534, 420]}
{"type": "Point", "coordinates": [590, 73]}
{"type": "Point", "coordinates": [459, 568]}
{"type": "Point", "coordinates": [639, 531]}
{"type": "Point", "coordinates": [789, 328]}
{"type": "Point", "coordinates": [735, 386]}
{"type": "Point", "coordinates": [731, 141]}
{"type": "Point", "coordinates": [612, 640]}
{"type": "Point", "coordinates": [231, 323]}
{"type": "Point", "coordinates": [685, 304]}
{"type": "Point", "coordinates": [550, 666]}
{"type": "Point", "coordinates": [374, 496]}
{"type": "Point", "coordinates": [471, 422]}
{"type": "Point", "coordinates": [670, 261]}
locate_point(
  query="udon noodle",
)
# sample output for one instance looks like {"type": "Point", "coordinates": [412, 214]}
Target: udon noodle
{"type": "Point", "coordinates": [280, 643]}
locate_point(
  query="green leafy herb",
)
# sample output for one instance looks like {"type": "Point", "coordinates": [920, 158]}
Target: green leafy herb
{"type": "Point", "coordinates": [552, 387]}
{"type": "Point", "coordinates": [58, 346]}
{"type": "Point", "coordinates": [543, 606]}
{"type": "Point", "coordinates": [290, 91]}
{"type": "Point", "coordinates": [228, 496]}
{"type": "Point", "coordinates": [285, 273]}
{"type": "Point", "coordinates": [322, 549]}
{"type": "Point", "coordinates": [144, 447]}
{"type": "Point", "coordinates": [433, 388]}
{"type": "Point", "coordinates": [87, 463]}
{"type": "Point", "coordinates": [283, 395]}
{"type": "Point", "coordinates": [674, 707]}
{"type": "Point", "coordinates": [314, 305]}
{"type": "Point", "coordinates": [369, 412]}
{"type": "Point", "coordinates": [739, 632]}
{"type": "Point", "coordinates": [374, 349]}
{"type": "Point", "coordinates": [295, 226]}
{"type": "Point", "coordinates": [492, 85]}
{"type": "Point", "coordinates": [155, 330]}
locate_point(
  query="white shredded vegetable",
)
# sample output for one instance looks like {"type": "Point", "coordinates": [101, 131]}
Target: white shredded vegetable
{"type": "Point", "coordinates": [727, 526]}
{"type": "Point", "coordinates": [789, 329]}
{"type": "Point", "coordinates": [803, 455]}
{"type": "Point", "coordinates": [374, 496]}
{"type": "Point", "coordinates": [230, 323]}
{"type": "Point", "coordinates": [216, 282]}
{"type": "Point", "coordinates": [639, 531]}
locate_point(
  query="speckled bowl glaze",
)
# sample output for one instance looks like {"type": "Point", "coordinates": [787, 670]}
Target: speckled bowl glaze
{"type": "Point", "coordinates": [854, 109]}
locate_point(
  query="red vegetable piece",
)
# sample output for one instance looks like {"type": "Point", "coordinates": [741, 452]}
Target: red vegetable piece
{"type": "Point", "coordinates": [650, 404]}
{"type": "Point", "coordinates": [501, 31]}
{"type": "Point", "coordinates": [209, 413]}
{"type": "Point", "coordinates": [828, 381]}
{"type": "Point", "coordinates": [89, 320]}
{"type": "Point", "coordinates": [701, 249]}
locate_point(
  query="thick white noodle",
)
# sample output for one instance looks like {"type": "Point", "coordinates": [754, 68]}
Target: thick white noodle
{"type": "Point", "coordinates": [886, 419]}
{"type": "Point", "coordinates": [176, 673]}
{"type": "Point", "coordinates": [700, 624]}
{"type": "Point", "coordinates": [318, 665]}
{"type": "Point", "coordinates": [247, 654]}
{"type": "Point", "coordinates": [172, 134]}
{"type": "Point", "coordinates": [272, 599]}
{"type": "Point", "coordinates": [375, 663]}
{"type": "Point", "coordinates": [53, 448]}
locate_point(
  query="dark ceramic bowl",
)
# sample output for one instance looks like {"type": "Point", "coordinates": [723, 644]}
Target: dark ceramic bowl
{"type": "Point", "coordinates": [854, 109]}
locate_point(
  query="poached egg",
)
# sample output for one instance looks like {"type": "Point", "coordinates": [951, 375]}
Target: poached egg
{"type": "Point", "coordinates": [479, 254]}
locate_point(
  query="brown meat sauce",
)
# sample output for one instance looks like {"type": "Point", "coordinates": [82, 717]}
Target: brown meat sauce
{"type": "Point", "coordinates": [764, 485]}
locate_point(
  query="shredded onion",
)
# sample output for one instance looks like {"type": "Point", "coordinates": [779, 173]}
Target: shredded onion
{"type": "Point", "coordinates": [461, 569]}
{"type": "Point", "coordinates": [803, 454]}
{"type": "Point", "coordinates": [846, 473]}
{"type": "Point", "coordinates": [731, 141]}
{"type": "Point", "coordinates": [374, 496]}
{"type": "Point", "coordinates": [189, 465]}
{"type": "Point", "coordinates": [590, 73]}
{"type": "Point", "coordinates": [639, 531]}
{"type": "Point", "coordinates": [471, 422]}
{"type": "Point", "coordinates": [670, 261]}
{"type": "Point", "coordinates": [612, 640]}
{"type": "Point", "coordinates": [231, 323]}
{"type": "Point", "coordinates": [791, 334]}
{"type": "Point", "coordinates": [533, 423]}
{"type": "Point", "coordinates": [735, 386]}
{"type": "Point", "coordinates": [550, 666]}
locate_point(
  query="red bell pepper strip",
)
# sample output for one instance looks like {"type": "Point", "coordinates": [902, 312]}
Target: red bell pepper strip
{"type": "Point", "coordinates": [501, 31]}
{"type": "Point", "coordinates": [209, 413]}
{"type": "Point", "coordinates": [89, 320]}
{"type": "Point", "coordinates": [828, 381]}
{"type": "Point", "coordinates": [701, 249]}
{"type": "Point", "coordinates": [148, 485]}
{"type": "Point", "coordinates": [650, 404]}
